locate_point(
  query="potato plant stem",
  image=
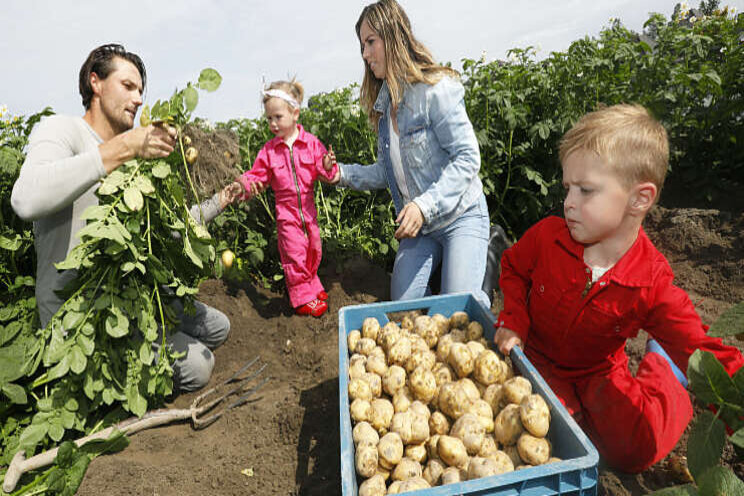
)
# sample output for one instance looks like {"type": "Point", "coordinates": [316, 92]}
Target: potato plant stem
{"type": "Point", "coordinates": [188, 173]}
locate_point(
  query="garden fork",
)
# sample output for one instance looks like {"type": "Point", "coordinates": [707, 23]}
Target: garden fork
{"type": "Point", "coordinates": [235, 387]}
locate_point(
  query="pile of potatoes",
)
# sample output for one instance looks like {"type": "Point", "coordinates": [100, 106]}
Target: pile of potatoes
{"type": "Point", "coordinates": [432, 404]}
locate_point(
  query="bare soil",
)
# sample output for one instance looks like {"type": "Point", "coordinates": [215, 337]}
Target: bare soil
{"type": "Point", "coordinates": [287, 440]}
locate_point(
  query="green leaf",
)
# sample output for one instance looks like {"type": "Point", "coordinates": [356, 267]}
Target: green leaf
{"type": "Point", "coordinates": [67, 418]}
{"type": "Point", "coordinates": [137, 404]}
{"type": "Point", "coordinates": [8, 312]}
{"type": "Point", "coordinates": [713, 76]}
{"type": "Point", "coordinates": [10, 331]}
{"type": "Point", "coordinates": [209, 80]}
{"type": "Point", "coordinates": [146, 354]}
{"type": "Point", "coordinates": [95, 212]}
{"type": "Point", "coordinates": [15, 393]}
{"type": "Point", "coordinates": [74, 259]}
{"type": "Point", "coordinates": [190, 253]}
{"type": "Point", "coordinates": [190, 98]}
{"type": "Point", "coordinates": [161, 170]}
{"type": "Point", "coordinates": [32, 435]}
{"type": "Point", "coordinates": [72, 405]}
{"type": "Point", "coordinates": [65, 454]}
{"type": "Point", "coordinates": [117, 441]}
{"type": "Point", "coordinates": [107, 189]}
{"type": "Point", "coordinates": [737, 438]}
{"type": "Point", "coordinates": [56, 431]}
{"type": "Point", "coordinates": [144, 185]}
{"type": "Point", "coordinates": [133, 198]}
{"type": "Point", "coordinates": [59, 370]}
{"type": "Point", "coordinates": [709, 380]}
{"type": "Point", "coordinates": [705, 444]}
{"type": "Point", "coordinates": [117, 325]}
{"type": "Point", "coordinates": [720, 481]}
{"type": "Point", "coordinates": [76, 475]}
{"type": "Point", "coordinates": [11, 244]}
{"type": "Point", "coordinates": [72, 319]}
{"type": "Point", "coordinates": [78, 361]}
{"type": "Point", "coordinates": [731, 322]}
{"type": "Point", "coordinates": [86, 344]}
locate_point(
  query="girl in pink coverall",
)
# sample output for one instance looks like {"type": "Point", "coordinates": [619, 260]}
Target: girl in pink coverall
{"type": "Point", "coordinates": [290, 163]}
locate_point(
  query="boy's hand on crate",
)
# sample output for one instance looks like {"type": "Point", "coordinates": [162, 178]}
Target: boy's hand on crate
{"type": "Point", "coordinates": [506, 339]}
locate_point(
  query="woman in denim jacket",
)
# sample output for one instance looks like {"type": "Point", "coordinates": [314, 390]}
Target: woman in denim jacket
{"type": "Point", "coordinates": [427, 156]}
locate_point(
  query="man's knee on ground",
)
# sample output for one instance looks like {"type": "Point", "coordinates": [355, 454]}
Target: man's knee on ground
{"type": "Point", "coordinates": [217, 328]}
{"type": "Point", "coordinates": [194, 370]}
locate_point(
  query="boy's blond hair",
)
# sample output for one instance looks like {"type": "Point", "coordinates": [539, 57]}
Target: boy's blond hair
{"type": "Point", "coordinates": [627, 138]}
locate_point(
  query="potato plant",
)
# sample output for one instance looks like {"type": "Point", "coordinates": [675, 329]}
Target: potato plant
{"type": "Point", "coordinates": [449, 408]}
{"type": "Point", "coordinates": [140, 249]}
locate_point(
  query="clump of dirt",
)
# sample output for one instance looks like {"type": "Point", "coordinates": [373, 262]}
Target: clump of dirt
{"type": "Point", "coordinates": [218, 162]}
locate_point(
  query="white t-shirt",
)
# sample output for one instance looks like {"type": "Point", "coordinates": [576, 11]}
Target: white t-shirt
{"type": "Point", "coordinates": [598, 272]}
{"type": "Point", "coordinates": [400, 178]}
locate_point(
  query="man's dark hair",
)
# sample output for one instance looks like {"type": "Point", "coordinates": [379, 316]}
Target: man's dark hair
{"type": "Point", "coordinates": [100, 61]}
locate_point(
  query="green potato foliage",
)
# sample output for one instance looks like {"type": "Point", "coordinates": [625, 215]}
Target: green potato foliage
{"type": "Point", "coordinates": [103, 355]}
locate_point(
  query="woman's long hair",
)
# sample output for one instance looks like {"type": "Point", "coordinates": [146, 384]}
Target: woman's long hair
{"type": "Point", "coordinates": [407, 61]}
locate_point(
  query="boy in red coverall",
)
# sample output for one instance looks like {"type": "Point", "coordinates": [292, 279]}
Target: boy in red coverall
{"type": "Point", "coordinates": [576, 289]}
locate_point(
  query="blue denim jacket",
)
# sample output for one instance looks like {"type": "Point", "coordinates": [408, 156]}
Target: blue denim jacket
{"type": "Point", "coordinates": [438, 149]}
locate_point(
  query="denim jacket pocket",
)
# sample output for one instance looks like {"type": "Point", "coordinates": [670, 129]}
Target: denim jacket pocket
{"type": "Point", "coordinates": [414, 149]}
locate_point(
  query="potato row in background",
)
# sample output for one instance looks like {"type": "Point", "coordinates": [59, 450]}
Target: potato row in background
{"type": "Point", "coordinates": [432, 404]}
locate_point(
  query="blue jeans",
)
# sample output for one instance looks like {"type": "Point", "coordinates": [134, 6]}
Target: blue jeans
{"type": "Point", "coordinates": [461, 247]}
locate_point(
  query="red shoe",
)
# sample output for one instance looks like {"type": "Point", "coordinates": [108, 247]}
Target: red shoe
{"type": "Point", "coordinates": [323, 296]}
{"type": "Point", "coordinates": [316, 308]}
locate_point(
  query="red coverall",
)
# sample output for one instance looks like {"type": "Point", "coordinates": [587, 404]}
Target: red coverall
{"type": "Point", "coordinates": [291, 173]}
{"type": "Point", "coordinates": [574, 333]}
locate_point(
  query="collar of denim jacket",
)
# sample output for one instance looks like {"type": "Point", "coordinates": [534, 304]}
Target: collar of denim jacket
{"type": "Point", "coordinates": [383, 98]}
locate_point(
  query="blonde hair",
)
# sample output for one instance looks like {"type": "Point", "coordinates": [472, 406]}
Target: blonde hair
{"type": "Point", "coordinates": [407, 61]}
{"type": "Point", "coordinates": [627, 138]}
{"type": "Point", "coordinates": [293, 87]}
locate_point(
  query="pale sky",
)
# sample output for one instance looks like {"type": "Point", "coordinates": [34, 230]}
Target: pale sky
{"type": "Point", "coordinates": [43, 43]}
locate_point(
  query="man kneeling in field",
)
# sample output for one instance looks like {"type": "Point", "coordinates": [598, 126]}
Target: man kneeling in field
{"type": "Point", "coordinates": [67, 157]}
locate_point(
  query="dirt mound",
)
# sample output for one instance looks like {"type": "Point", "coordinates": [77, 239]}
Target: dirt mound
{"type": "Point", "coordinates": [705, 248]}
{"type": "Point", "coordinates": [218, 161]}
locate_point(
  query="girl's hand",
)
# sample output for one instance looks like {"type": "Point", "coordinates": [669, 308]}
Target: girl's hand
{"type": "Point", "coordinates": [230, 193]}
{"type": "Point", "coordinates": [409, 221]}
{"type": "Point", "coordinates": [334, 180]}
{"type": "Point", "coordinates": [255, 189]}
{"type": "Point", "coordinates": [329, 159]}
{"type": "Point", "coordinates": [506, 339]}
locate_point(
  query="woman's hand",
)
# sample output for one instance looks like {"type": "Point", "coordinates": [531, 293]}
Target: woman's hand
{"type": "Point", "coordinates": [230, 193]}
{"type": "Point", "coordinates": [506, 339]}
{"type": "Point", "coordinates": [409, 221]}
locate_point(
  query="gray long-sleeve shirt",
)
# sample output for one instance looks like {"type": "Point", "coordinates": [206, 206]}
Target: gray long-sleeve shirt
{"type": "Point", "coordinates": [57, 183]}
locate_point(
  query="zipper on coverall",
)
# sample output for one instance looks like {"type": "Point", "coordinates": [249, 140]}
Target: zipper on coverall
{"type": "Point", "coordinates": [297, 187]}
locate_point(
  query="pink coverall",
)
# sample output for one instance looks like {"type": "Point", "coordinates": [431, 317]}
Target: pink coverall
{"type": "Point", "coordinates": [291, 173]}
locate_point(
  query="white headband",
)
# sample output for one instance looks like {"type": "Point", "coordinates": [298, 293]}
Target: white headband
{"type": "Point", "coordinates": [277, 93]}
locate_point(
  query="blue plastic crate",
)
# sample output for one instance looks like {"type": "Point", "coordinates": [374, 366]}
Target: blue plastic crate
{"type": "Point", "coordinates": [575, 475]}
